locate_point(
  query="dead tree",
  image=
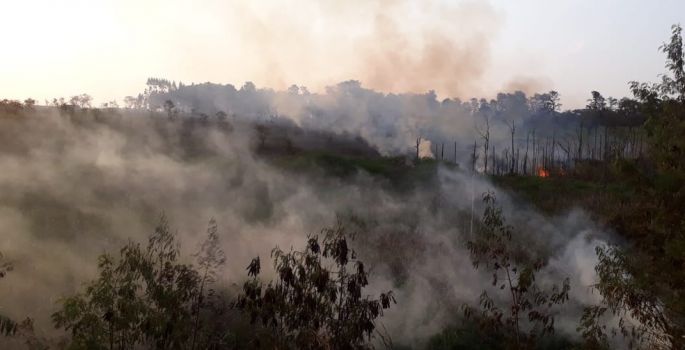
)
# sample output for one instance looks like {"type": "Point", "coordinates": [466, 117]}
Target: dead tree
{"type": "Point", "coordinates": [485, 135]}
{"type": "Point", "coordinates": [494, 161]}
{"type": "Point", "coordinates": [512, 129]}
{"type": "Point", "coordinates": [580, 141]}
{"type": "Point", "coordinates": [554, 147]}
{"type": "Point", "coordinates": [566, 149]}
{"type": "Point", "coordinates": [474, 157]}
{"type": "Point", "coordinates": [418, 144]}
{"type": "Point", "coordinates": [535, 153]}
{"type": "Point", "coordinates": [525, 157]}
{"type": "Point", "coordinates": [606, 139]}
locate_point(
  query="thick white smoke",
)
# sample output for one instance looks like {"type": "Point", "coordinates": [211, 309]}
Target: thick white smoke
{"type": "Point", "coordinates": [75, 187]}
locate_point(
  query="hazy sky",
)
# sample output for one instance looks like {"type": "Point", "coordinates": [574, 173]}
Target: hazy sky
{"type": "Point", "coordinates": [107, 48]}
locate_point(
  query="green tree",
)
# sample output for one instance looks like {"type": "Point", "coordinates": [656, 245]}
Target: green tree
{"type": "Point", "coordinates": [644, 283]}
{"type": "Point", "coordinates": [312, 306]}
{"type": "Point", "coordinates": [529, 314]}
{"type": "Point", "coordinates": [145, 298]}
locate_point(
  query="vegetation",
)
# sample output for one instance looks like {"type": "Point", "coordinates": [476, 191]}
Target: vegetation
{"type": "Point", "coordinates": [528, 315]}
{"type": "Point", "coordinates": [7, 326]}
{"type": "Point", "coordinates": [311, 306]}
{"type": "Point", "coordinates": [147, 298]}
{"type": "Point", "coordinates": [643, 283]}
{"type": "Point", "coordinates": [622, 160]}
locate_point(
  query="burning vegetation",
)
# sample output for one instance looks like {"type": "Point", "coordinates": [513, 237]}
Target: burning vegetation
{"type": "Point", "coordinates": [407, 251]}
{"type": "Point", "coordinates": [542, 172]}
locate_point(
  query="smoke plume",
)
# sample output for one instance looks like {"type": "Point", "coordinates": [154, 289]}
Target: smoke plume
{"type": "Point", "coordinates": [78, 185]}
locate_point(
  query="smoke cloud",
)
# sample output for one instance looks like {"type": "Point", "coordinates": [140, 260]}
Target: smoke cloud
{"type": "Point", "coordinates": [390, 45]}
{"type": "Point", "coordinates": [79, 185]}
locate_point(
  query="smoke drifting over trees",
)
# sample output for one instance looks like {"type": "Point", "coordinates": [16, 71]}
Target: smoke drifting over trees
{"type": "Point", "coordinates": [503, 129]}
{"type": "Point", "coordinates": [81, 183]}
{"type": "Point", "coordinates": [395, 180]}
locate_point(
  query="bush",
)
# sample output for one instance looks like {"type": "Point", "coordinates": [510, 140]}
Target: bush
{"type": "Point", "coordinates": [312, 306]}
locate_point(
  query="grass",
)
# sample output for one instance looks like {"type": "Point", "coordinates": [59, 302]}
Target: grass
{"type": "Point", "coordinates": [397, 172]}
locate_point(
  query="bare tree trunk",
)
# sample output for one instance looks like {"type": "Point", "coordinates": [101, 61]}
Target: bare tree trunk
{"type": "Point", "coordinates": [535, 153]}
{"type": "Point", "coordinates": [594, 148]}
{"type": "Point", "coordinates": [525, 157]}
{"type": "Point", "coordinates": [485, 135]}
{"type": "Point", "coordinates": [512, 128]}
{"type": "Point", "coordinates": [473, 157]}
{"type": "Point", "coordinates": [506, 160]}
{"type": "Point", "coordinates": [606, 142]}
{"type": "Point", "coordinates": [418, 143]}
{"type": "Point", "coordinates": [494, 161]}
{"type": "Point", "coordinates": [580, 141]}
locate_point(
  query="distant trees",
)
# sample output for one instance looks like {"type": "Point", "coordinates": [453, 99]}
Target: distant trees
{"type": "Point", "coordinates": [10, 106]}
{"type": "Point", "coordinates": [82, 101]}
{"type": "Point", "coordinates": [546, 103]}
{"type": "Point", "coordinates": [484, 132]}
{"type": "Point", "coordinates": [317, 300]}
{"type": "Point", "coordinates": [248, 87]}
{"type": "Point", "coordinates": [136, 102]}
{"type": "Point", "coordinates": [169, 108]}
{"type": "Point", "coordinates": [262, 133]}
{"type": "Point", "coordinates": [160, 85]}
{"type": "Point", "coordinates": [221, 115]}
{"type": "Point", "coordinates": [110, 104]}
{"type": "Point", "coordinates": [597, 102]}
{"type": "Point", "coordinates": [29, 103]}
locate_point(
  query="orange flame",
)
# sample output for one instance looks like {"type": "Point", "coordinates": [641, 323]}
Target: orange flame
{"type": "Point", "coordinates": [542, 172]}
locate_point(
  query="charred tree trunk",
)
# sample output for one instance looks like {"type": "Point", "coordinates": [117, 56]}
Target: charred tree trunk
{"type": "Point", "coordinates": [606, 142]}
{"type": "Point", "coordinates": [594, 148]}
{"type": "Point", "coordinates": [513, 131]}
{"type": "Point", "coordinates": [473, 157]}
{"type": "Point", "coordinates": [494, 161]}
{"type": "Point", "coordinates": [580, 142]}
{"type": "Point", "coordinates": [418, 144]}
{"type": "Point", "coordinates": [525, 157]}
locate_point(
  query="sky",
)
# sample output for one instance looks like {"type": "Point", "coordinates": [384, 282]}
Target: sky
{"type": "Point", "coordinates": [475, 48]}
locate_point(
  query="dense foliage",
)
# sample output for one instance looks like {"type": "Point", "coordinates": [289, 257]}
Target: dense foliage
{"type": "Point", "coordinates": [644, 282]}
{"type": "Point", "coordinates": [146, 298]}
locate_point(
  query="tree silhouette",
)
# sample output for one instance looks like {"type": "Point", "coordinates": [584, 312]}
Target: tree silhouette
{"type": "Point", "coordinates": [7, 326]}
{"type": "Point", "coordinates": [146, 298]}
{"type": "Point", "coordinates": [312, 306]}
